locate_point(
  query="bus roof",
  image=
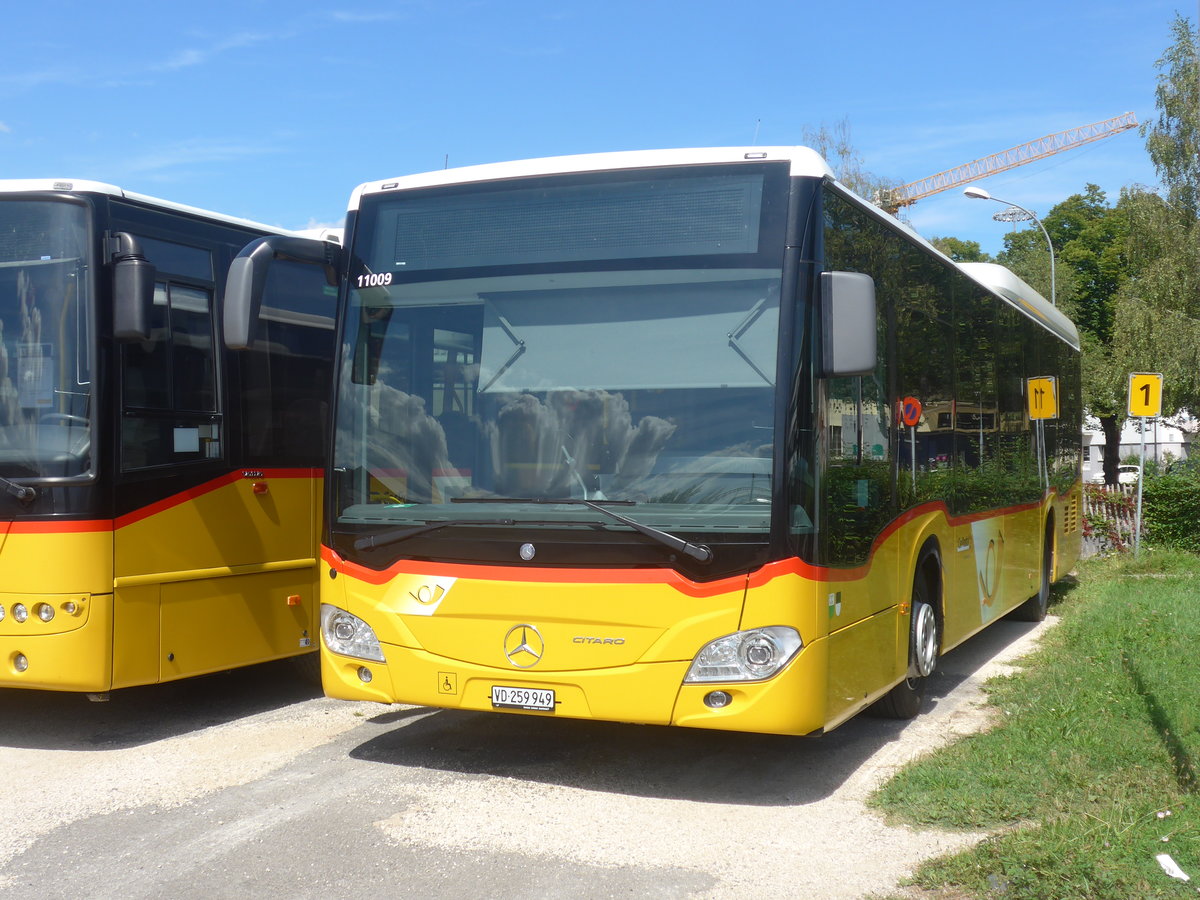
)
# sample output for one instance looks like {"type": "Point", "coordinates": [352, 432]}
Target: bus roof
{"type": "Point", "coordinates": [1000, 280]}
{"type": "Point", "coordinates": [82, 186]}
{"type": "Point", "coordinates": [994, 278]}
{"type": "Point", "coordinates": [804, 160]}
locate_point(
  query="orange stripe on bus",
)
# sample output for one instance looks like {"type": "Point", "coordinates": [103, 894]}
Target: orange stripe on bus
{"type": "Point", "coordinates": [669, 577]}
{"type": "Point", "coordinates": [208, 487]}
{"type": "Point", "coordinates": [76, 526]}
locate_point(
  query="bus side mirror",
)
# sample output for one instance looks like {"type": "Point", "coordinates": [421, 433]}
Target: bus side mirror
{"type": "Point", "coordinates": [847, 324]}
{"type": "Point", "coordinates": [133, 290]}
{"type": "Point", "coordinates": [248, 278]}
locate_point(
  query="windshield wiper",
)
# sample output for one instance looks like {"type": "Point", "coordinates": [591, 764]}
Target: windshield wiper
{"type": "Point", "coordinates": [698, 552]}
{"type": "Point", "coordinates": [22, 492]}
{"type": "Point", "coordinates": [396, 535]}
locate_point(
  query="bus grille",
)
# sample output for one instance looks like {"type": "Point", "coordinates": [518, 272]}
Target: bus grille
{"type": "Point", "coordinates": [1071, 515]}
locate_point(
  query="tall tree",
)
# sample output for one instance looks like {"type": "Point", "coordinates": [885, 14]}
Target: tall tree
{"type": "Point", "coordinates": [834, 143]}
{"type": "Point", "coordinates": [1173, 140]}
{"type": "Point", "coordinates": [1134, 269]}
{"type": "Point", "coordinates": [1089, 240]}
{"type": "Point", "coordinates": [1158, 310]}
{"type": "Point", "coordinates": [960, 250]}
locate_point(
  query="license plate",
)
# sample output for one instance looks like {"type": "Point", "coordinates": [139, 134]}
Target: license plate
{"type": "Point", "coordinates": [538, 699]}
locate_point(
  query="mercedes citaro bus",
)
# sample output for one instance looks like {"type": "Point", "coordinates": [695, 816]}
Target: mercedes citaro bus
{"type": "Point", "coordinates": [691, 437]}
{"type": "Point", "coordinates": [159, 494]}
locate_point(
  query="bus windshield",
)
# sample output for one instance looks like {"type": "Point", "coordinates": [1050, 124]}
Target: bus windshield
{"type": "Point", "coordinates": [609, 338]}
{"type": "Point", "coordinates": [45, 353]}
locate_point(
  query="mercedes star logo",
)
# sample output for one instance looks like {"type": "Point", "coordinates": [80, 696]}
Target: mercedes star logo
{"type": "Point", "coordinates": [523, 645]}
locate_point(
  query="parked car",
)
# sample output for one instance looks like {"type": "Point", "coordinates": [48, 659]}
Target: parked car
{"type": "Point", "coordinates": [1126, 474]}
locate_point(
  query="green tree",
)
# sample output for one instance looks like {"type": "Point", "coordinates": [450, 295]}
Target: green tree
{"type": "Point", "coordinates": [1089, 239]}
{"type": "Point", "coordinates": [1157, 314]}
{"type": "Point", "coordinates": [1173, 140]}
{"type": "Point", "coordinates": [836, 146]}
{"type": "Point", "coordinates": [1157, 311]}
{"type": "Point", "coordinates": [960, 250]}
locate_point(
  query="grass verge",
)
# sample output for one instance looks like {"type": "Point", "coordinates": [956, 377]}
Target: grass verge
{"type": "Point", "coordinates": [1093, 770]}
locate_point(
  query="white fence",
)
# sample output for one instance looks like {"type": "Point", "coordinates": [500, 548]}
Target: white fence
{"type": "Point", "coordinates": [1108, 518]}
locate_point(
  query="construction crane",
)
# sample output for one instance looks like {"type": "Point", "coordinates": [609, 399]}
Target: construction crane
{"type": "Point", "coordinates": [894, 199]}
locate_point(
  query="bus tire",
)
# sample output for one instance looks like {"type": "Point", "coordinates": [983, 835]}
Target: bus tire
{"type": "Point", "coordinates": [904, 701]}
{"type": "Point", "coordinates": [1034, 609]}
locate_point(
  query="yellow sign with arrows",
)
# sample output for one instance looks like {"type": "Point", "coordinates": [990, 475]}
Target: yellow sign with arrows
{"type": "Point", "coordinates": [1042, 393]}
{"type": "Point", "coordinates": [1145, 394]}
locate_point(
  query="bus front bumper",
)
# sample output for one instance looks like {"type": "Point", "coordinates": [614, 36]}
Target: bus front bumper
{"type": "Point", "coordinates": [71, 652]}
{"type": "Point", "coordinates": [793, 702]}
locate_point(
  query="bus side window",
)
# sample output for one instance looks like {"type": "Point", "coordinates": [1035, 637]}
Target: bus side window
{"type": "Point", "coordinates": [168, 383]}
{"type": "Point", "coordinates": [285, 377]}
{"type": "Point", "coordinates": [859, 451]}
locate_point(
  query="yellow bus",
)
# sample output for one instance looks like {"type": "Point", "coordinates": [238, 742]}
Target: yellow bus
{"type": "Point", "coordinates": [691, 437]}
{"type": "Point", "coordinates": [159, 495]}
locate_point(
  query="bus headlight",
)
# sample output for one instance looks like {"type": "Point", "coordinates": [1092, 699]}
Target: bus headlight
{"type": "Point", "coordinates": [348, 635]}
{"type": "Point", "coordinates": [753, 655]}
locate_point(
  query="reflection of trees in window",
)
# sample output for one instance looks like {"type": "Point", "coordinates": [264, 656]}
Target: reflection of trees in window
{"type": "Point", "coordinates": [1064, 465]}
{"type": "Point", "coordinates": [976, 420]}
{"type": "Point", "coordinates": [1016, 462]}
{"type": "Point", "coordinates": [965, 355]}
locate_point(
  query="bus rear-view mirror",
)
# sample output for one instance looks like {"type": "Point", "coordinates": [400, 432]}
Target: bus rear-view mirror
{"type": "Point", "coordinates": [848, 324]}
{"type": "Point", "coordinates": [133, 290]}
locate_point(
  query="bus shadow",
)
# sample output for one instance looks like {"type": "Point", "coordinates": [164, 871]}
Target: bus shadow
{"type": "Point", "coordinates": [675, 763]}
{"type": "Point", "coordinates": [54, 720]}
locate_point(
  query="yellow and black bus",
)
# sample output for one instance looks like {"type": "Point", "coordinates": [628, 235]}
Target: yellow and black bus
{"type": "Point", "coordinates": [689, 437]}
{"type": "Point", "coordinates": [159, 494]}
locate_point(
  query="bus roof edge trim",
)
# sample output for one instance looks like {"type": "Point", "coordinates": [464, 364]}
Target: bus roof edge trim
{"type": "Point", "coordinates": [995, 278]}
{"type": "Point", "coordinates": [83, 186]}
{"type": "Point", "coordinates": [999, 280]}
{"type": "Point", "coordinates": [804, 161]}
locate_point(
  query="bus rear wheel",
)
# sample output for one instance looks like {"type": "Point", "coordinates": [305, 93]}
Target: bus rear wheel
{"type": "Point", "coordinates": [905, 699]}
{"type": "Point", "coordinates": [1034, 609]}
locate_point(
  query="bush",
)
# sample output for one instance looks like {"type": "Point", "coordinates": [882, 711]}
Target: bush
{"type": "Point", "coordinates": [1171, 512]}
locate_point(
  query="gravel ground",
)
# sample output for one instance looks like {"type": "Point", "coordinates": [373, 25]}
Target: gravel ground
{"type": "Point", "coordinates": [198, 773]}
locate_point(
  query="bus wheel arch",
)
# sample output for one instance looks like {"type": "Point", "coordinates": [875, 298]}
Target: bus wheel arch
{"type": "Point", "coordinates": [1034, 609]}
{"type": "Point", "coordinates": [905, 700]}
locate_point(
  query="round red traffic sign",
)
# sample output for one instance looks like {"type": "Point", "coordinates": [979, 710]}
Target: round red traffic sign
{"type": "Point", "coordinates": [910, 410]}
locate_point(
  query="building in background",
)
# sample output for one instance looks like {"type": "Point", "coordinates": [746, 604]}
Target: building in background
{"type": "Point", "coordinates": [1166, 439]}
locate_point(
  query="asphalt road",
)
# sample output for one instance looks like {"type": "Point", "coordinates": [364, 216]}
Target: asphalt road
{"type": "Point", "coordinates": [251, 784]}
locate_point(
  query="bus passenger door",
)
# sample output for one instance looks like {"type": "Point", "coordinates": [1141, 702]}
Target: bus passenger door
{"type": "Point", "coordinates": [214, 562]}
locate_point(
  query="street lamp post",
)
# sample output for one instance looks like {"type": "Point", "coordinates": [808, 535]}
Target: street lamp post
{"type": "Point", "coordinates": [978, 193]}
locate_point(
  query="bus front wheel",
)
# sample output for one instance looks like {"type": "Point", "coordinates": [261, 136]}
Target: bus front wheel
{"type": "Point", "coordinates": [905, 699]}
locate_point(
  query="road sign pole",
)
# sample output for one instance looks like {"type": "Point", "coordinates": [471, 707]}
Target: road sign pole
{"type": "Point", "coordinates": [1137, 521]}
{"type": "Point", "coordinates": [912, 431]}
{"type": "Point", "coordinates": [1145, 402]}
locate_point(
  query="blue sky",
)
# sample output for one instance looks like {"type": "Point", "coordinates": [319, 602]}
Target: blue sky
{"type": "Point", "coordinates": [276, 111]}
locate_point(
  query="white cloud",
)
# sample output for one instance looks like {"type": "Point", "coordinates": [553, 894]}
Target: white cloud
{"type": "Point", "coordinates": [359, 18]}
{"type": "Point", "coordinates": [198, 56]}
{"type": "Point", "coordinates": [198, 151]}
{"type": "Point", "coordinates": [36, 78]}
{"type": "Point", "coordinates": [4, 129]}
